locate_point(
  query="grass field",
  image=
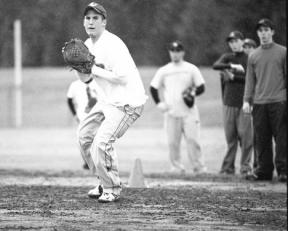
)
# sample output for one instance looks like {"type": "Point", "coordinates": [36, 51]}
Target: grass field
{"type": "Point", "coordinates": [44, 98]}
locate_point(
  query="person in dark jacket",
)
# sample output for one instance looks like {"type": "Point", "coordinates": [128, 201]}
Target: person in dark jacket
{"type": "Point", "coordinates": [237, 124]}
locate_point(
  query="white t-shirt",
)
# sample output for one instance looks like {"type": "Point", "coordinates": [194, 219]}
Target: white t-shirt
{"type": "Point", "coordinates": [174, 78]}
{"type": "Point", "coordinates": [77, 92]}
{"type": "Point", "coordinates": [111, 51]}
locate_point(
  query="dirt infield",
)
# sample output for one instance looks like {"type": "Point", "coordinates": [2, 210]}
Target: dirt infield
{"type": "Point", "coordinates": [42, 187]}
{"type": "Point", "coordinates": [58, 201]}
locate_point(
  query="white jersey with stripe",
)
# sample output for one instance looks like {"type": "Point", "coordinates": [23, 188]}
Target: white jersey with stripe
{"type": "Point", "coordinates": [174, 78]}
{"type": "Point", "coordinates": [77, 92]}
{"type": "Point", "coordinates": [111, 51]}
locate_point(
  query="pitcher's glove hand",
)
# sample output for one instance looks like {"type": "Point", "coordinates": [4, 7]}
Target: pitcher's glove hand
{"type": "Point", "coordinates": [189, 97]}
{"type": "Point", "coordinates": [77, 56]}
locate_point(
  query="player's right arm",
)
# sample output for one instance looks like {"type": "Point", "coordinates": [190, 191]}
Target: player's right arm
{"type": "Point", "coordinates": [156, 84]}
{"type": "Point", "coordinates": [120, 63]}
{"type": "Point", "coordinates": [71, 103]}
{"type": "Point", "coordinates": [221, 63]}
{"type": "Point", "coordinates": [71, 106]}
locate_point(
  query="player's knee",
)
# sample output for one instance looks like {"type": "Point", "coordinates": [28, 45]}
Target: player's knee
{"type": "Point", "coordinates": [103, 143]}
{"type": "Point", "coordinates": [174, 145]}
{"type": "Point", "coordinates": [194, 143]}
{"type": "Point", "coordinates": [84, 140]}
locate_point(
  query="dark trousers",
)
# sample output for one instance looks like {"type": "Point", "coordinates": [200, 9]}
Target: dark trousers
{"type": "Point", "coordinates": [269, 121]}
{"type": "Point", "coordinates": [238, 130]}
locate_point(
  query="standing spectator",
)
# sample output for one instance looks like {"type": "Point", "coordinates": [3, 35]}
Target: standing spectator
{"type": "Point", "coordinates": [265, 90]}
{"type": "Point", "coordinates": [180, 119]}
{"type": "Point", "coordinates": [249, 45]}
{"type": "Point", "coordinates": [237, 125]}
{"type": "Point", "coordinates": [81, 97]}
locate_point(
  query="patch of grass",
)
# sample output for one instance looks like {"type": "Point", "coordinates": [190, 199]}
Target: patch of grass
{"type": "Point", "coordinates": [44, 98]}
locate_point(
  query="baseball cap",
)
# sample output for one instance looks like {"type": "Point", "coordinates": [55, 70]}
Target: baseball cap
{"type": "Point", "coordinates": [175, 46]}
{"type": "Point", "coordinates": [250, 42]}
{"type": "Point", "coordinates": [265, 22]}
{"type": "Point", "coordinates": [234, 35]}
{"type": "Point", "coordinates": [96, 7]}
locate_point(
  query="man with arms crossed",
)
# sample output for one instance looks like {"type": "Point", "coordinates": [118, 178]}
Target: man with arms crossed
{"type": "Point", "coordinates": [237, 124]}
{"type": "Point", "coordinates": [121, 97]}
{"type": "Point", "coordinates": [265, 90]}
{"type": "Point", "coordinates": [174, 78]}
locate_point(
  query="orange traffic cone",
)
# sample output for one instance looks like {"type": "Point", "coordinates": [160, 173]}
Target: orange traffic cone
{"type": "Point", "coordinates": [136, 179]}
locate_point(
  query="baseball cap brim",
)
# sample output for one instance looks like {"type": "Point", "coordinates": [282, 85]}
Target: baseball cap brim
{"type": "Point", "coordinates": [230, 38]}
{"type": "Point", "coordinates": [235, 35]}
{"type": "Point", "coordinates": [249, 42]}
{"type": "Point", "coordinates": [176, 46]}
{"type": "Point", "coordinates": [265, 23]}
{"type": "Point", "coordinates": [98, 9]}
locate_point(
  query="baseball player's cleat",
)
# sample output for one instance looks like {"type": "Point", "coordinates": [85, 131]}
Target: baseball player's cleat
{"type": "Point", "coordinates": [255, 177]}
{"type": "Point", "coordinates": [96, 192]}
{"type": "Point", "coordinates": [227, 172]}
{"type": "Point", "coordinates": [108, 197]}
{"type": "Point", "coordinates": [282, 177]}
{"type": "Point", "coordinates": [200, 170]}
{"type": "Point", "coordinates": [174, 170]}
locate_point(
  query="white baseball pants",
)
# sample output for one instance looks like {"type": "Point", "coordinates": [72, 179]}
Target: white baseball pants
{"type": "Point", "coordinates": [189, 126]}
{"type": "Point", "coordinates": [96, 135]}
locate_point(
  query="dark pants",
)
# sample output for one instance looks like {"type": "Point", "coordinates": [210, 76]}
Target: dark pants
{"type": "Point", "coordinates": [238, 130]}
{"type": "Point", "coordinates": [270, 122]}
{"type": "Point", "coordinates": [255, 156]}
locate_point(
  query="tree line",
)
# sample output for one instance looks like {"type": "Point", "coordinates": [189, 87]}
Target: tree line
{"type": "Point", "coordinates": [146, 26]}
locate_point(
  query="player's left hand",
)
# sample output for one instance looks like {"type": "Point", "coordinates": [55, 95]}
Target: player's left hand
{"type": "Point", "coordinates": [247, 108]}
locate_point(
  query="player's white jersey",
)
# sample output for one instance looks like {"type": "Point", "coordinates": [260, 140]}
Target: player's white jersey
{"type": "Point", "coordinates": [110, 51]}
{"type": "Point", "coordinates": [77, 92]}
{"type": "Point", "coordinates": [174, 78]}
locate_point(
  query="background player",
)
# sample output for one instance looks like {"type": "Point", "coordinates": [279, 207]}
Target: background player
{"type": "Point", "coordinates": [121, 97]}
{"type": "Point", "coordinates": [237, 125]}
{"type": "Point", "coordinates": [249, 45]}
{"type": "Point", "coordinates": [266, 90]}
{"type": "Point", "coordinates": [173, 79]}
{"type": "Point", "coordinates": [81, 97]}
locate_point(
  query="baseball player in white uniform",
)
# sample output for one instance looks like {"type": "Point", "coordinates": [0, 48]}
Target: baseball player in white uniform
{"type": "Point", "coordinates": [121, 97]}
{"type": "Point", "coordinates": [81, 97]}
{"type": "Point", "coordinates": [173, 79]}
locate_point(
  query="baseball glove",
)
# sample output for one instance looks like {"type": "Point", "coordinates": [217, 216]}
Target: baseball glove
{"type": "Point", "coordinates": [77, 56]}
{"type": "Point", "coordinates": [189, 97]}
